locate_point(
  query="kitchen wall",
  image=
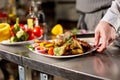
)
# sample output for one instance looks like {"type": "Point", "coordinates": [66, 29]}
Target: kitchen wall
{"type": "Point", "coordinates": [65, 13]}
{"type": "Point", "coordinates": [65, 10]}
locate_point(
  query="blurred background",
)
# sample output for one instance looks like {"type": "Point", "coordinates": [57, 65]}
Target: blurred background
{"type": "Point", "coordinates": [55, 12]}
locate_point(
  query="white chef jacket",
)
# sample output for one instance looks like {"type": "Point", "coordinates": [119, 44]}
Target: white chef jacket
{"type": "Point", "coordinates": [113, 15]}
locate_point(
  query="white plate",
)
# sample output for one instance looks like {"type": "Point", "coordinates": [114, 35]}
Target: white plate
{"type": "Point", "coordinates": [68, 56]}
{"type": "Point", "coordinates": [7, 42]}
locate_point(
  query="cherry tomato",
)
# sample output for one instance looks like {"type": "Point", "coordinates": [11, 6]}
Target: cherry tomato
{"type": "Point", "coordinates": [37, 31]}
{"type": "Point", "coordinates": [42, 31]}
{"type": "Point", "coordinates": [31, 36]}
{"type": "Point", "coordinates": [29, 31]}
{"type": "Point", "coordinates": [50, 51]}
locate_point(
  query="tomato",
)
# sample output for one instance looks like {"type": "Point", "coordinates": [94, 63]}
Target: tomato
{"type": "Point", "coordinates": [11, 31]}
{"type": "Point", "coordinates": [22, 26]}
{"type": "Point", "coordinates": [42, 31]}
{"type": "Point", "coordinates": [50, 51]}
{"type": "Point", "coordinates": [31, 36]}
{"type": "Point", "coordinates": [29, 31]}
{"type": "Point", "coordinates": [37, 31]}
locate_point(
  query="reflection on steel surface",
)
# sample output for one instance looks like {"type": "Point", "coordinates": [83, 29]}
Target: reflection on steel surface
{"type": "Point", "coordinates": [104, 66]}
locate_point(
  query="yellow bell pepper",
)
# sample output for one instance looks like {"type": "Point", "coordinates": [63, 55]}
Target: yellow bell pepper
{"type": "Point", "coordinates": [4, 31]}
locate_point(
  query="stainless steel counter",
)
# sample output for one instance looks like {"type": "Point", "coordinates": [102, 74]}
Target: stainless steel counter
{"type": "Point", "coordinates": [93, 66]}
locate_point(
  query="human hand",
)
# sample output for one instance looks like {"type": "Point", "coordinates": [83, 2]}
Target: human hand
{"type": "Point", "coordinates": [106, 33]}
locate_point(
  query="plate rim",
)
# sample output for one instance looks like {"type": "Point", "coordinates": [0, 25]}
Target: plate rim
{"type": "Point", "coordinates": [19, 43]}
{"type": "Point", "coordinates": [68, 56]}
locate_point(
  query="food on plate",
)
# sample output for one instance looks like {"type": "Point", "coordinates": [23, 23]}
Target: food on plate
{"type": "Point", "coordinates": [18, 33]}
{"type": "Point", "coordinates": [4, 31]}
{"type": "Point", "coordinates": [65, 44]}
{"type": "Point", "coordinates": [21, 32]}
{"type": "Point", "coordinates": [57, 30]}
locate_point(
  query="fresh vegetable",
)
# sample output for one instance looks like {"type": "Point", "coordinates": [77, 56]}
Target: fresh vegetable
{"type": "Point", "coordinates": [31, 36]}
{"type": "Point", "coordinates": [62, 46]}
{"type": "Point", "coordinates": [37, 31]}
{"type": "Point", "coordinates": [50, 51]}
{"type": "Point", "coordinates": [4, 31]}
{"type": "Point", "coordinates": [23, 27]}
{"type": "Point", "coordinates": [40, 49]}
{"type": "Point", "coordinates": [59, 51]}
{"type": "Point", "coordinates": [16, 26]}
{"type": "Point", "coordinates": [22, 35]}
{"type": "Point", "coordinates": [13, 39]}
{"type": "Point", "coordinates": [18, 32]}
{"type": "Point", "coordinates": [11, 30]}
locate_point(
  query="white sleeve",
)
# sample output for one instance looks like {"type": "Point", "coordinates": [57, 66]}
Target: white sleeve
{"type": "Point", "coordinates": [112, 16]}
